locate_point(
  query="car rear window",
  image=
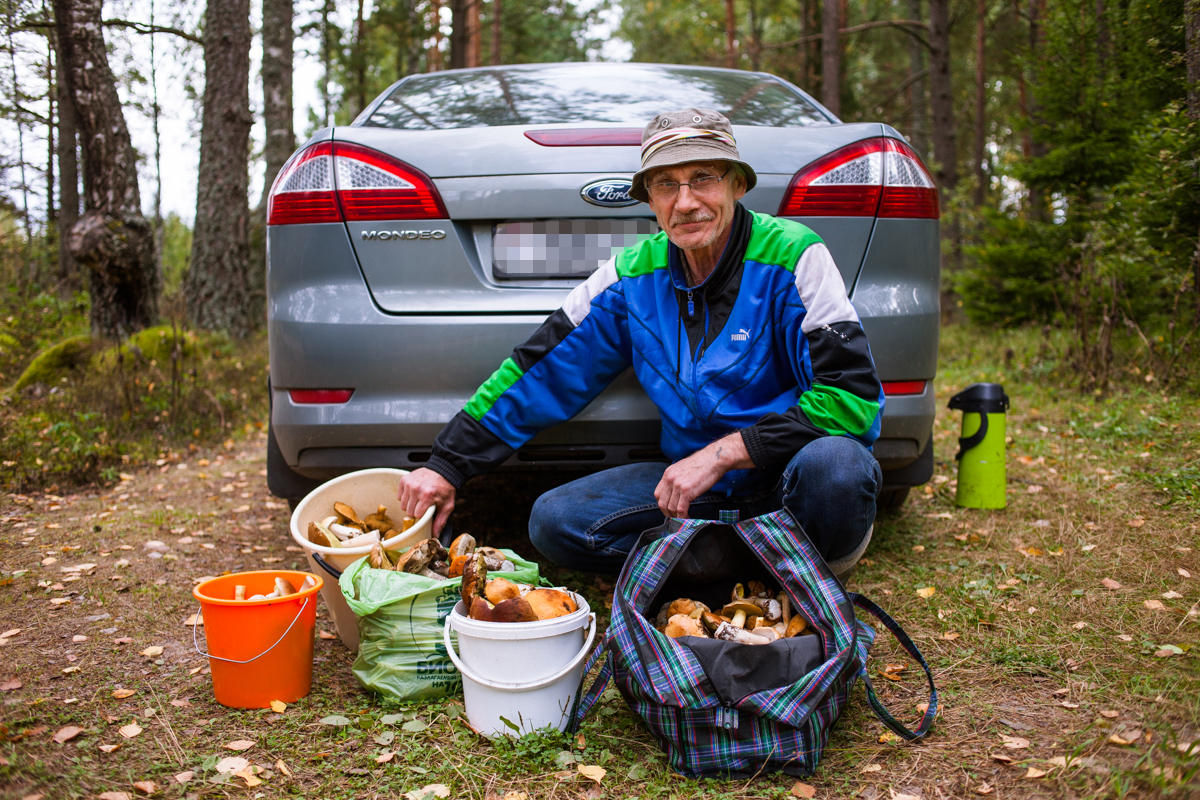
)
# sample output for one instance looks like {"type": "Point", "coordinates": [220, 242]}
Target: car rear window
{"type": "Point", "coordinates": [629, 94]}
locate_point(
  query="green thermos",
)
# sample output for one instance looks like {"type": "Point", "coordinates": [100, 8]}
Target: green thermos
{"type": "Point", "coordinates": [981, 472]}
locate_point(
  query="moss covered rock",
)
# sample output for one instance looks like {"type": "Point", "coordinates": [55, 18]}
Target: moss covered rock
{"type": "Point", "coordinates": [153, 345]}
{"type": "Point", "coordinates": [56, 362]}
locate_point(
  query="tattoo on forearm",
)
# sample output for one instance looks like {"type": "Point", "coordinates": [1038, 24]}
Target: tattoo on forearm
{"type": "Point", "coordinates": [719, 451]}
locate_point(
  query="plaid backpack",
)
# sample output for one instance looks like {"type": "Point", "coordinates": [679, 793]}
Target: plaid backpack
{"type": "Point", "coordinates": [718, 707]}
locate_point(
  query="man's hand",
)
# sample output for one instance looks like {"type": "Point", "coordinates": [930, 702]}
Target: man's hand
{"type": "Point", "coordinates": [686, 480]}
{"type": "Point", "coordinates": [423, 488]}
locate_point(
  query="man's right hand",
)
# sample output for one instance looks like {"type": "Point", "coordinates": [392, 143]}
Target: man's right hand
{"type": "Point", "coordinates": [423, 488]}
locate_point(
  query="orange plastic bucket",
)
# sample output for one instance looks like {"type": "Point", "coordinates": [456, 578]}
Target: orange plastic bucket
{"type": "Point", "coordinates": [259, 650]}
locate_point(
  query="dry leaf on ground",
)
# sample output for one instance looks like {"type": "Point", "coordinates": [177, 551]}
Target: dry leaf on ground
{"type": "Point", "coordinates": [384, 758]}
{"type": "Point", "coordinates": [803, 790]}
{"type": "Point", "coordinates": [67, 734]}
{"type": "Point", "coordinates": [152, 650]}
{"type": "Point", "coordinates": [129, 731]}
{"type": "Point", "coordinates": [10, 685]}
{"type": "Point", "coordinates": [326, 635]}
{"type": "Point", "coordinates": [1184, 572]}
{"type": "Point", "coordinates": [248, 775]}
{"type": "Point", "coordinates": [950, 636]}
{"type": "Point", "coordinates": [185, 776]}
{"type": "Point", "coordinates": [1154, 605]}
{"type": "Point", "coordinates": [108, 748]}
{"type": "Point", "coordinates": [984, 788]}
{"type": "Point", "coordinates": [1014, 742]}
{"type": "Point", "coordinates": [1171, 595]}
{"type": "Point", "coordinates": [231, 764]}
{"type": "Point", "coordinates": [181, 703]}
{"type": "Point", "coordinates": [193, 621]}
{"type": "Point", "coordinates": [121, 694]}
{"type": "Point", "coordinates": [872, 767]}
{"type": "Point", "coordinates": [114, 796]}
{"type": "Point", "coordinates": [148, 787]}
{"type": "Point", "coordinates": [1034, 772]}
{"type": "Point", "coordinates": [1109, 583]}
{"type": "Point", "coordinates": [278, 706]}
{"type": "Point", "coordinates": [591, 771]}
{"type": "Point", "coordinates": [282, 767]}
{"type": "Point", "coordinates": [1136, 522]}
{"type": "Point", "coordinates": [429, 792]}
{"type": "Point", "coordinates": [1079, 625]}
{"type": "Point", "coordinates": [238, 745]}
{"type": "Point", "coordinates": [927, 592]}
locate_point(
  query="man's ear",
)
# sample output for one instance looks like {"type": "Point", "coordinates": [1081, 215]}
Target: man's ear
{"type": "Point", "coordinates": [739, 184]}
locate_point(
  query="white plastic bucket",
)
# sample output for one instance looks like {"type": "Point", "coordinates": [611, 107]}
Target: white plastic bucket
{"type": "Point", "coordinates": [364, 491]}
{"type": "Point", "coordinates": [524, 672]}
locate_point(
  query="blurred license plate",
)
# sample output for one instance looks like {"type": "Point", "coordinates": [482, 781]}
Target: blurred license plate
{"type": "Point", "coordinates": [562, 248]}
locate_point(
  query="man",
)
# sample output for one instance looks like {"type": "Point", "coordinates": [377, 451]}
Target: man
{"type": "Point", "coordinates": [739, 329]}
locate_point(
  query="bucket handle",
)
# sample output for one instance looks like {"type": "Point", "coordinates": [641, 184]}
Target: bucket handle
{"type": "Point", "coordinates": [196, 644]}
{"type": "Point", "coordinates": [522, 687]}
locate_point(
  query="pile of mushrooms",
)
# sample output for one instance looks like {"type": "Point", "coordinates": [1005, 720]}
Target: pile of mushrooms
{"type": "Point", "coordinates": [345, 529]}
{"type": "Point", "coordinates": [283, 587]}
{"type": "Point", "coordinates": [501, 600]}
{"type": "Point", "coordinates": [430, 559]}
{"type": "Point", "coordinates": [752, 616]}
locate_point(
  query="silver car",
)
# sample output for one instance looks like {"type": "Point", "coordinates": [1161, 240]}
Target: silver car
{"type": "Point", "coordinates": [409, 252]}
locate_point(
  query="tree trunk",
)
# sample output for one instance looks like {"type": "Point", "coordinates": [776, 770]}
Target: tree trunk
{"type": "Point", "coordinates": [980, 101]}
{"type": "Point", "coordinates": [731, 55]}
{"type": "Point", "coordinates": [217, 289]}
{"type": "Point", "coordinates": [474, 34]}
{"type": "Point", "coordinates": [812, 56]}
{"type": "Point", "coordinates": [360, 61]}
{"type": "Point", "coordinates": [917, 109]}
{"type": "Point", "coordinates": [112, 239]}
{"type": "Point", "coordinates": [1037, 148]}
{"type": "Point", "coordinates": [831, 57]}
{"type": "Point", "coordinates": [496, 12]}
{"type": "Point", "coordinates": [459, 33]}
{"type": "Point", "coordinates": [51, 216]}
{"type": "Point", "coordinates": [1191, 16]}
{"type": "Point", "coordinates": [755, 37]}
{"type": "Point", "coordinates": [941, 99]}
{"type": "Point", "coordinates": [326, 63]}
{"type": "Point", "coordinates": [277, 88]}
{"type": "Point", "coordinates": [434, 57]}
{"type": "Point", "coordinates": [68, 183]}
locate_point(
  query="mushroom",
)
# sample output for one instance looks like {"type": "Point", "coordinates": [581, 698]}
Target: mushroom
{"type": "Point", "coordinates": [780, 630]}
{"type": "Point", "coordinates": [309, 583]}
{"type": "Point", "coordinates": [498, 590]}
{"type": "Point", "coordinates": [319, 535]}
{"type": "Point", "coordinates": [463, 545]}
{"type": "Point", "coordinates": [239, 592]}
{"type": "Point", "coordinates": [766, 632]}
{"type": "Point", "coordinates": [407, 523]}
{"type": "Point", "coordinates": [376, 558]}
{"type": "Point", "coordinates": [474, 579]}
{"type": "Point", "coordinates": [362, 539]}
{"type": "Point", "coordinates": [732, 633]}
{"type": "Point", "coordinates": [515, 609]}
{"type": "Point", "coordinates": [508, 566]}
{"type": "Point", "coordinates": [738, 593]}
{"type": "Point", "coordinates": [738, 610]}
{"type": "Point", "coordinates": [795, 627]}
{"type": "Point", "coordinates": [683, 625]}
{"type": "Point", "coordinates": [263, 596]}
{"type": "Point", "coordinates": [418, 557]}
{"type": "Point", "coordinates": [346, 516]}
{"type": "Point", "coordinates": [551, 603]}
{"type": "Point", "coordinates": [428, 573]}
{"type": "Point", "coordinates": [440, 567]}
{"type": "Point", "coordinates": [785, 607]}
{"type": "Point", "coordinates": [495, 559]}
{"type": "Point", "coordinates": [770, 607]}
{"type": "Point", "coordinates": [712, 621]}
{"type": "Point", "coordinates": [456, 566]}
{"type": "Point", "coordinates": [344, 532]}
{"type": "Point", "coordinates": [756, 589]}
{"type": "Point", "coordinates": [379, 521]}
{"type": "Point", "coordinates": [283, 587]}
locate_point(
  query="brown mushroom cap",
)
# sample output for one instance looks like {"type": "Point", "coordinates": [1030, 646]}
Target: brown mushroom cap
{"type": "Point", "coordinates": [712, 621]}
{"type": "Point", "coordinates": [497, 590]}
{"type": "Point", "coordinates": [480, 609]}
{"type": "Point", "coordinates": [756, 589]}
{"type": "Point", "coordinates": [284, 587]}
{"type": "Point", "coordinates": [551, 603]}
{"type": "Point", "coordinates": [474, 578]}
{"type": "Point", "coordinates": [376, 559]}
{"type": "Point", "coordinates": [745, 606]}
{"type": "Point", "coordinates": [683, 625]}
{"type": "Point", "coordinates": [463, 544]}
{"type": "Point", "coordinates": [456, 566]}
{"type": "Point", "coordinates": [418, 557]}
{"type": "Point", "coordinates": [379, 521]}
{"type": "Point", "coordinates": [514, 609]}
{"type": "Point", "coordinates": [347, 514]}
{"type": "Point", "coordinates": [795, 627]}
{"type": "Point", "coordinates": [318, 536]}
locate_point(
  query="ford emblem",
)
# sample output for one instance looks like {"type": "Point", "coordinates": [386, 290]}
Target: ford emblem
{"type": "Point", "coordinates": [609, 193]}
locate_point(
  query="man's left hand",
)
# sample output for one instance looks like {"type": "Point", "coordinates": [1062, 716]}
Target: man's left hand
{"type": "Point", "coordinates": [686, 480]}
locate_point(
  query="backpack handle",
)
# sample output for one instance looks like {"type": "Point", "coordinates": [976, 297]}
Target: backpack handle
{"type": "Point", "coordinates": [584, 701]}
{"type": "Point", "coordinates": [910, 647]}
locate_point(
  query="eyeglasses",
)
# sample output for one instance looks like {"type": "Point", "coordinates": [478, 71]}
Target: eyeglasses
{"type": "Point", "coordinates": [702, 184]}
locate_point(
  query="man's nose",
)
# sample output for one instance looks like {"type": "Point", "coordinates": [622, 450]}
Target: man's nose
{"type": "Point", "coordinates": [686, 201]}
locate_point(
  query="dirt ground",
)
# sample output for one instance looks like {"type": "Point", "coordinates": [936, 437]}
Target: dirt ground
{"type": "Point", "coordinates": [1060, 632]}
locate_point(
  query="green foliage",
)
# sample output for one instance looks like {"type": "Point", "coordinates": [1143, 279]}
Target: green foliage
{"type": "Point", "coordinates": [56, 362]}
{"type": "Point", "coordinates": [176, 252]}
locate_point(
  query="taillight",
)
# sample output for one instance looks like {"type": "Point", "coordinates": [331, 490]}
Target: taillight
{"type": "Point", "coordinates": [303, 191]}
{"type": "Point", "coordinates": [371, 185]}
{"type": "Point", "coordinates": [308, 397]}
{"type": "Point", "coordinates": [335, 182]}
{"type": "Point", "coordinates": [875, 177]}
{"type": "Point", "coordinates": [893, 388]}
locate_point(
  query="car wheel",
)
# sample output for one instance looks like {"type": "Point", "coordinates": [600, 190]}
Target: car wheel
{"type": "Point", "coordinates": [890, 500]}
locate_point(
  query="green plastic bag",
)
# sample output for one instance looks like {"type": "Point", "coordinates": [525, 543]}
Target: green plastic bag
{"type": "Point", "coordinates": [401, 652]}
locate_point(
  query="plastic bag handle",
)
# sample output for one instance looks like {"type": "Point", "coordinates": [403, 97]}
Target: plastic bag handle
{"type": "Point", "coordinates": [519, 687]}
{"type": "Point", "coordinates": [196, 644]}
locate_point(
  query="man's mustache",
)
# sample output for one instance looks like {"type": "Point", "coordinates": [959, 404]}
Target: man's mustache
{"type": "Point", "coordinates": [695, 216]}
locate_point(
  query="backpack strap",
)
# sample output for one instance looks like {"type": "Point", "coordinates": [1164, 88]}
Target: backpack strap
{"type": "Point", "coordinates": [909, 647]}
{"type": "Point", "coordinates": [584, 701]}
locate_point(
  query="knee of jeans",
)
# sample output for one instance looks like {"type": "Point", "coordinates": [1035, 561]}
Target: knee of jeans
{"type": "Point", "coordinates": [542, 520]}
{"type": "Point", "coordinates": [837, 463]}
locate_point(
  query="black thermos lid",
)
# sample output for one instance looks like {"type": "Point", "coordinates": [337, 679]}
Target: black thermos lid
{"type": "Point", "coordinates": [982, 398]}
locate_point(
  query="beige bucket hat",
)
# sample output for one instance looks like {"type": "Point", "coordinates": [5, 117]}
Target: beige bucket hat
{"type": "Point", "coordinates": [690, 134]}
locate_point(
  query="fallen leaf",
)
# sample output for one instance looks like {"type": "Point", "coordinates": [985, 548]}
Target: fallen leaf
{"type": "Point", "coordinates": [1014, 742]}
{"type": "Point", "coordinates": [1034, 489]}
{"type": "Point", "coordinates": [67, 734]}
{"type": "Point", "coordinates": [984, 788]}
{"type": "Point", "coordinates": [282, 767]}
{"type": "Point", "coordinates": [1125, 637]}
{"type": "Point", "coordinates": [181, 703]}
{"type": "Point", "coordinates": [872, 767]}
{"type": "Point", "coordinates": [335, 719]}
{"type": "Point", "coordinates": [151, 651]}
{"type": "Point", "coordinates": [278, 706]}
{"type": "Point", "coordinates": [891, 672]}
{"type": "Point", "coordinates": [249, 777]}
{"type": "Point", "coordinates": [231, 764]}
{"type": "Point", "coordinates": [58, 601]}
{"type": "Point", "coordinates": [429, 792]}
{"type": "Point", "coordinates": [238, 745]}
{"type": "Point", "coordinates": [184, 777]}
{"type": "Point", "coordinates": [1034, 772]}
{"type": "Point", "coordinates": [1079, 625]}
{"type": "Point", "coordinates": [414, 726]}
{"type": "Point", "coordinates": [1060, 692]}
{"type": "Point", "coordinates": [122, 640]}
{"type": "Point", "coordinates": [193, 621]}
{"type": "Point", "coordinates": [114, 796]}
{"type": "Point", "coordinates": [1154, 605]}
{"type": "Point", "coordinates": [1136, 522]}
{"type": "Point", "coordinates": [1164, 653]}
{"type": "Point", "coordinates": [590, 771]}
{"type": "Point", "coordinates": [1171, 595]}
{"type": "Point", "coordinates": [1107, 714]}
{"type": "Point", "coordinates": [1007, 759]}
{"type": "Point", "coordinates": [927, 592]}
{"type": "Point", "coordinates": [1109, 583]}
{"type": "Point", "coordinates": [129, 731]}
{"type": "Point", "coordinates": [11, 632]}
{"type": "Point", "coordinates": [10, 685]}
{"type": "Point", "coordinates": [803, 790]}
{"type": "Point", "coordinates": [121, 694]}
{"type": "Point", "coordinates": [950, 636]}
{"type": "Point", "coordinates": [1184, 572]}
{"type": "Point", "coordinates": [194, 671]}
{"type": "Point", "coordinates": [1068, 704]}
{"type": "Point", "coordinates": [1125, 738]}
{"type": "Point", "coordinates": [148, 787]}
{"type": "Point", "coordinates": [108, 748]}
{"type": "Point", "coordinates": [327, 635]}
{"type": "Point", "coordinates": [888, 738]}
{"type": "Point", "coordinates": [384, 758]}
{"type": "Point", "coordinates": [1057, 761]}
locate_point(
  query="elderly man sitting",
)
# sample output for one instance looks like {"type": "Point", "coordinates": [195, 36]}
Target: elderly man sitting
{"type": "Point", "coordinates": [738, 327]}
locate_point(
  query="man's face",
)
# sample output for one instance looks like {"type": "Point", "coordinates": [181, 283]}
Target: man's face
{"type": "Point", "coordinates": [694, 220]}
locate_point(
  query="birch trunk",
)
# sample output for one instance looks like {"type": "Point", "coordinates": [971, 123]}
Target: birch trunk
{"type": "Point", "coordinates": [831, 57]}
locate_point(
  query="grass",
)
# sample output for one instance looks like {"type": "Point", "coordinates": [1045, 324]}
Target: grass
{"type": "Point", "coordinates": [1002, 632]}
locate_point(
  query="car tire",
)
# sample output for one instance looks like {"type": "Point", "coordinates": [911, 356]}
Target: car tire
{"type": "Point", "coordinates": [891, 500]}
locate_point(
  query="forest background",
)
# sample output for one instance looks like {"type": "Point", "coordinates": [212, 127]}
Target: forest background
{"type": "Point", "coordinates": [1064, 138]}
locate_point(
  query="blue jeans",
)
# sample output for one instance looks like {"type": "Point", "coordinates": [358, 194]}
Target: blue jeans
{"type": "Point", "coordinates": [592, 523]}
